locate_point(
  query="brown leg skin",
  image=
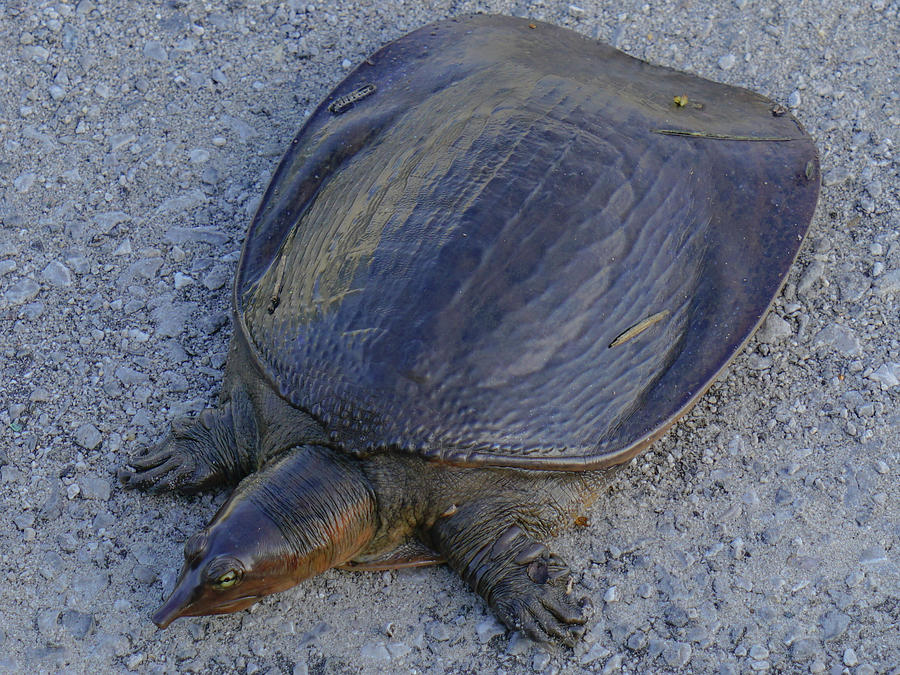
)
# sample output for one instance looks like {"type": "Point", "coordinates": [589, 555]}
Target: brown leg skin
{"type": "Point", "coordinates": [529, 588]}
{"type": "Point", "coordinates": [217, 447]}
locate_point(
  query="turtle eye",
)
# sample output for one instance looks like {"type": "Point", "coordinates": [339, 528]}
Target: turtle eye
{"type": "Point", "coordinates": [224, 572]}
{"type": "Point", "coordinates": [227, 580]}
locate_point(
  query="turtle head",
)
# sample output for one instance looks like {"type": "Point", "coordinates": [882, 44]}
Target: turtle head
{"type": "Point", "coordinates": [305, 513]}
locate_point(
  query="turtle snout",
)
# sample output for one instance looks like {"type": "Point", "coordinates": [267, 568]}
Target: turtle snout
{"type": "Point", "coordinates": [174, 607]}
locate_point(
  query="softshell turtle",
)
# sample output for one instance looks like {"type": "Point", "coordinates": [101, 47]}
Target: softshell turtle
{"type": "Point", "coordinates": [499, 258]}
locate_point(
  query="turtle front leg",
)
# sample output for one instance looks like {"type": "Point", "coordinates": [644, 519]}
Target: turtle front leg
{"type": "Point", "coordinates": [217, 447]}
{"type": "Point", "coordinates": [527, 586]}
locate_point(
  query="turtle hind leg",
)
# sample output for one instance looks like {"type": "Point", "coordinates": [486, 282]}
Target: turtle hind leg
{"type": "Point", "coordinates": [217, 447]}
{"type": "Point", "coordinates": [527, 586]}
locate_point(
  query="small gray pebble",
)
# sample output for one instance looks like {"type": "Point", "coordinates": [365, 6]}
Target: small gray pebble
{"type": "Point", "coordinates": [398, 649]}
{"type": "Point", "coordinates": [655, 647]}
{"type": "Point", "coordinates": [889, 283]}
{"type": "Point", "coordinates": [540, 661]}
{"type": "Point", "coordinates": [57, 274]}
{"type": "Point", "coordinates": [489, 628]}
{"type": "Point", "coordinates": [859, 139]}
{"type": "Point", "coordinates": [189, 235]}
{"type": "Point", "coordinates": [519, 643]}
{"type": "Point", "coordinates": [181, 203]}
{"type": "Point", "coordinates": [834, 624]}
{"type": "Point", "coordinates": [213, 323]}
{"type": "Point", "coordinates": [595, 653]}
{"type": "Point", "coordinates": [727, 61]}
{"type": "Point", "coordinates": [312, 634]}
{"type": "Point", "coordinates": [377, 652]}
{"type": "Point", "coordinates": [77, 623]}
{"type": "Point", "coordinates": [47, 621]}
{"type": "Point", "coordinates": [758, 652]}
{"type": "Point", "coordinates": [24, 290]}
{"type": "Point", "coordinates": [677, 654]}
{"type": "Point", "coordinates": [783, 495]}
{"type": "Point", "coordinates": [637, 641]}
{"type": "Point", "coordinates": [210, 176]}
{"type": "Point", "coordinates": [438, 631]}
{"type": "Point", "coordinates": [814, 271]}
{"type": "Point", "coordinates": [874, 188]}
{"type": "Point", "coordinates": [88, 436]}
{"type": "Point", "coordinates": [112, 645]}
{"type": "Point", "coordinates": [873, 554]}
{"type": "Point", "coordinates": [130, 376]}
{"type": "Point", "coordinates": [33, 310]}
{"type": "Point", "coordinates": [774, 329]}
{"type": "Point", "coordinates": [94, 487]}
{"type": "Point", "coordinates": [836, 176]}
{"type": "Point", "coordinates": [24, 181]}
{"type": "Point", "coordinates": [104, 521]}
{"type": "Point", "coordinates": [217, 277]}
{"type": "Point", "coordinates": [68, 542]}
{"type": "Point", "coordinates": [841, 338]}
{"type": "Point", "coordinates": [199, 156]}
{"type": "Point", "coordinates": [24, 520]}
{"type": "Point", "coordinates": [887, 375]}
{"type": "Point", "coordinates": [9, 474]}
{"type": "Point", "coordinates": [154, 50]}
{"type": "Point", "coordinates": [794, 99]}
{"type": "Point", "coordinates": [182, 280]}
{"type": "Point", "coordinates": [614, 665]}
{"type": "Point", "coordinates": [119, 141]}
{"type": "Point", "coordinates": [144, 574]}
{"type": "Point", "coordinates": [108, 220]}
{"type": "Point", "coordinates": [676, 616]}
{"type": "Point", "coordinates": [771, 536]}
{"type": "Point", "coordinates": [171, 318]}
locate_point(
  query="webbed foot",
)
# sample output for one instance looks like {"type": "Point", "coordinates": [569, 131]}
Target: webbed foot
{"type": "Point", "coordinates": [196, 455]}
{"type": "Point", "coordinates": [532, 590]}
{"type": "Point", "coordinates": [528, 587]}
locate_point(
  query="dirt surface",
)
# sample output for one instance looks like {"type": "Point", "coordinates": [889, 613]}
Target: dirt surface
{"type": "Point", "coordinates": [761, 534]}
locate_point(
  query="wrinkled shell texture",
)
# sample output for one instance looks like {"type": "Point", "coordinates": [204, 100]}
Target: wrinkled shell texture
{"type": "Point", "coordinates": [442, 266]}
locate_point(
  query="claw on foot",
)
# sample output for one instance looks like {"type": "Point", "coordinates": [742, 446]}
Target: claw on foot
{"type": "Point", "coordinates": [160, 470]}
{"type": "Point", "coordinates": [535, 593]}
{"type": "Point", "coordinates": [177, 463]}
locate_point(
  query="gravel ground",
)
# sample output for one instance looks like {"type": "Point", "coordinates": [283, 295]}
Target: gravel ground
{"type": "Point", "coordinates": [761, 534]}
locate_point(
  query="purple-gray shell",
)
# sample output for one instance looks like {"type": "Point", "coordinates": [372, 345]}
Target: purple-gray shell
{"type": "Point", "coordinates": [499, 243]}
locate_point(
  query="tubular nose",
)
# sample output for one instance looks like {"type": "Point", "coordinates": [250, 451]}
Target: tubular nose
{"type": "Point", "coordinates": [173, 608]}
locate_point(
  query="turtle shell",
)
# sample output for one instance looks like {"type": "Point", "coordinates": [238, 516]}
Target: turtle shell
{"type": "Point", "coordinates": [499, 243]}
